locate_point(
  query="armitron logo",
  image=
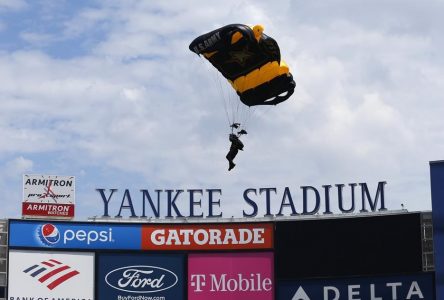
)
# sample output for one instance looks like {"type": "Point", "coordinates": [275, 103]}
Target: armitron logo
{"type": "Point", "coordinates": [49, 234]}
{"type": "Point", "coordinates": [51, 273]}
{"type": "Point", "coordinates": [141, 279]}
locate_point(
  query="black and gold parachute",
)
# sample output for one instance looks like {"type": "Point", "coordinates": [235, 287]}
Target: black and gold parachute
{"type": "Point", "coordinates": [250, 60]}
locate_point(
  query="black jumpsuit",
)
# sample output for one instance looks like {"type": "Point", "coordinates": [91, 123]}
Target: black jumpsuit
{"type": "Point", "coordinates": [236, 145]}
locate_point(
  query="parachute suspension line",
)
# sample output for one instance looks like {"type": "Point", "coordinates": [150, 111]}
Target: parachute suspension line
{"type": "Point", "coordinates": [245, 110]}
{"type": "Point", "coordinates": [217, 81]}
{"type": "Point", "coordinates": [232, 102]}
{"type": "Point", "coordinates": [224, 99]}
{"type": "Point", "coordinates": [242, 112]}
{"type": "Point", "coordinates": [236, 104]}
{"type": "Point", "coordinates": [248, 113]}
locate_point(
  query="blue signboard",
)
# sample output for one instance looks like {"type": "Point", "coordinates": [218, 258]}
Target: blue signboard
{"type": "Point", "coordinates": [71, 235]}
{"type": "Point", "coordinates": [414, 287]}
{"type": "Point", "coordinates": [437, 185]}
{"type": "Point", "coordinates": [141, 276]}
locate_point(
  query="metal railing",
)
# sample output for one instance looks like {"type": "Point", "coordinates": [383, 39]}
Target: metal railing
{"type": "Point", "coordinates": [428, 263]}
{"type": "Point", "coordinates": [3, 257]}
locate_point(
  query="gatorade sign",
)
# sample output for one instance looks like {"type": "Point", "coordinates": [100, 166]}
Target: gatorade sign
{"type": "Point", "coordinates": [207, 236]}
{"type": "Point", "coordinates": [408, 287]}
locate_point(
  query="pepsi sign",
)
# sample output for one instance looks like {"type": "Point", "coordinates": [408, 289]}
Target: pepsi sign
{"type": "Point", "coordinates": [74, 235]}
{"type": "Point", "coordinates": [413, 287]}
{"type": "Point", "coordinates": [139, 276]}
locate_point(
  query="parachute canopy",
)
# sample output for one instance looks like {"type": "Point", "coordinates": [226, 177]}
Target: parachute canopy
{"type": "Point", "coordinates": [250, 60]}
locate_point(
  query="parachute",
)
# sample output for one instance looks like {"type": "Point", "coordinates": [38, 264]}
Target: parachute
{"type": "Point", "coordinates": [250, 60]}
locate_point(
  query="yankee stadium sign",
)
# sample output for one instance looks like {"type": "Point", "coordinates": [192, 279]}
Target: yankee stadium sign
{"type": "Point", "coordinates": [207, 203]}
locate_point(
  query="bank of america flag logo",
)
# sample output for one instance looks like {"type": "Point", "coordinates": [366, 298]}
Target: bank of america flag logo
{"type": "Point", "coordinates": [51, 273]}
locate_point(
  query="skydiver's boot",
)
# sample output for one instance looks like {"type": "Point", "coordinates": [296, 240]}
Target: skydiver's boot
{"type": "Point", "coordinates": [232, 165]}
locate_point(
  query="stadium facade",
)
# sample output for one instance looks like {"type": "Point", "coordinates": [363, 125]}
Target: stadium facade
{"type": "Point", "coordinates": [375, 256]}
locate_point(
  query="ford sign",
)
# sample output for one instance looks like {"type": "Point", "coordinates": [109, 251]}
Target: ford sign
{"type": "Point", "coordinates": [141, 279]}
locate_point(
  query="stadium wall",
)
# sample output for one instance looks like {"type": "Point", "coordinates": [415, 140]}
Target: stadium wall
{"type": "Point", "coordinates": [374, 256]}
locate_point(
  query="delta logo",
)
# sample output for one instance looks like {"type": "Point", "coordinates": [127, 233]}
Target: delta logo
{"type": "Point", "coordinates": [51, 273]}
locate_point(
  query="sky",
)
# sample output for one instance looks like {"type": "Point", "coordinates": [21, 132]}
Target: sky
{"type": "Point", "coordinates": [108, 92]}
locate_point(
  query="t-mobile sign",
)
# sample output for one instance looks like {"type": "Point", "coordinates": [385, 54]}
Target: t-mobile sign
{"type": "Point", "coordinates": [234, 276]}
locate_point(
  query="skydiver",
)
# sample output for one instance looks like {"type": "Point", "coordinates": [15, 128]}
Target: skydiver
{"type": "Point", "coordinates": [236, 145]}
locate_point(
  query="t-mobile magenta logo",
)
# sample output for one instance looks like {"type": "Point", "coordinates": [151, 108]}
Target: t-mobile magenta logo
{"type": "Point", "coordinates": [230, 283]}
{"type": "Point", "coordinates": [51, 273]}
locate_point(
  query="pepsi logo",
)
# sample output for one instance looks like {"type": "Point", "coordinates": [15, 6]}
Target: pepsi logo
{"type": "Point", "coordinates": [49, 234]}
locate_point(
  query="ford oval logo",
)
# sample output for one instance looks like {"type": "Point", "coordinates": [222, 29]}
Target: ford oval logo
{"type": "Point", "coordinates": [141, 279]}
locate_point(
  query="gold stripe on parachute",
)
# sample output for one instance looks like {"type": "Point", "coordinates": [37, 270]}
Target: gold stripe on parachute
{"type": "Point", "coordinates": [259, 76]}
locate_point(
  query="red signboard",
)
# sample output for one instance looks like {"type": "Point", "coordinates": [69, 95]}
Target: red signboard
{"type": "Point", "coordinates": [207, 236]}
{"type": "Point", "coordinates": [47, 210]}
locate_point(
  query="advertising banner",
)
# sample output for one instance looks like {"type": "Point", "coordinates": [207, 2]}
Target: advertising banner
{"type": "Point", "coordinates": [141, 276]}
{"type": "Point", "coordinates": [208, 236]}
{"type": "Point", "coordinates": [48, 196]}
{"type": "Point", "coordinates": [70, 235]}
{"type": "Point", "coordinates": [437, 186]}
{"type": "Point", "coordinates": [231, 276]}
{"type": "Point", "coordinates": [50, 275]}
{"type": "Point", "coordinates": [414, 286]}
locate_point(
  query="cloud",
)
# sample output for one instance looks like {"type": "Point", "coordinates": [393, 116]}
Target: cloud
{"type": "Point", "coordinates": [11, 174]}
{"type": "Point", "coordinates": [37, 39]}
{"type": "Point", "coordinates": [13, 5]}
{"type": "Point", "coordinates": [18, 166]}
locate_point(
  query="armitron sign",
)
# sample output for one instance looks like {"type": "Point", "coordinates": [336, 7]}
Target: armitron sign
{"type": "Point", "coordinates": [48, 196]}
